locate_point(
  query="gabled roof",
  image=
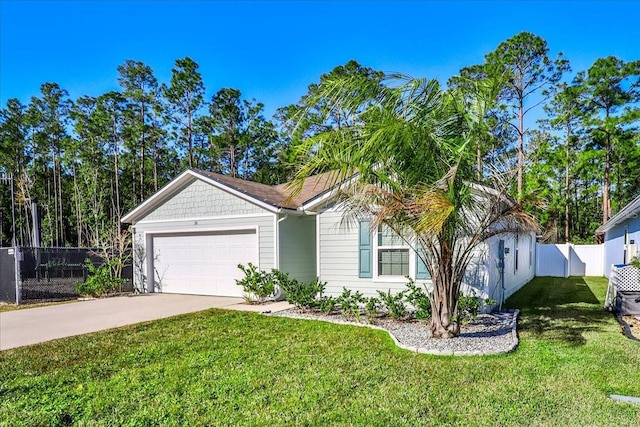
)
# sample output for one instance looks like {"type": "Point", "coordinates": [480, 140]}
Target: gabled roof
{"type": "Point", "coordinates": [273, 198]}
{"type": "Point", "coordinates": [632, 210]}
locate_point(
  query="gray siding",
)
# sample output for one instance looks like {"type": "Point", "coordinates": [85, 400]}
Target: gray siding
{"type": "Point", "coordinates": [339, 263]}
{"type": "Point", "coordinates": [201, 199]}
{"type": "Point", "coordinates": [297, 243]}
{"type": "Point", "coordinates": [339, 259]}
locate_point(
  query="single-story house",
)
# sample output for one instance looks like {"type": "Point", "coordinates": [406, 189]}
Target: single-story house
{"type": "Point", "coordinates": [621, 236]}
{"type": "Point", "coordinates": [190, 236]}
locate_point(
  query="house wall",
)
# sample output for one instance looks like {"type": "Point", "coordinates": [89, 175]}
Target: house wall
{"type": "Point", "coordinates": [202, 207]}
{"type": "Point", "coordinates": [200, 199]}
{"type": "Point", "coordinates": [338, 260]}
{"type": "Point", "coordinates": [338, 263]}
{"type": "Point", "coordinates": [614, 242]}
{"type": "Point", "coordinates": [297, 242]}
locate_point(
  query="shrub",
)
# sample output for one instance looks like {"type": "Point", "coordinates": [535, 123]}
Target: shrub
{"type": "Point", "coordinates": [326, 304]}
{"type": "Point", "coordinates": [99, 281]}
{"type": "Point", "coordinates": [371, 307]}
{"type": "Point", "coordinates": [468, 307]}
{"type": "Point", "coordinates": [302, 295]}
{"type": "Point", "coordinates": [349, 303]}
{"type": "Point", "coordinates": [394, 304]}
{"type": "Point", "coordinates": [256, 284]}
{"type": "Point", "coordinates": [417, 297]}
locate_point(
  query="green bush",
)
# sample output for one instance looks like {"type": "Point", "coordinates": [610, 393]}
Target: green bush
{"type": "Point", "coordinates": [326, 304]}
{"type": "Point", "coordinates": [302, 295]}
{"type": "Point", "coordinates": [468, 307]}
{"type": "Point", "coordinates": [256, 285]}
{"type": "Point", "coordinates": [349, 303]}
{"type": "Point", "coordinates": [99, 281]}
{"type": "Point", "coordinates": [371, 307]}
{"type": "Point", "coordinates": [394, 304]}
{"type": "Point", "coordinates": [417, 297]}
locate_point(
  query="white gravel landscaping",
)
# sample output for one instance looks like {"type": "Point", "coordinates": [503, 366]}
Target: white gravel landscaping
{"type": "Point", "coordinates": [493, 333]}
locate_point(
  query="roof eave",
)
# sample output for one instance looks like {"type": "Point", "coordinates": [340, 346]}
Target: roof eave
{"type": "Point", "coordinates": [628, 212]}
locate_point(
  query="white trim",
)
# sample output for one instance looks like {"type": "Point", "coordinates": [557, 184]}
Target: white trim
{"type": "Point", "coordinates": [318, 246]}
{"type": "Point", "coordinates": [377, 277]}
{"type": "Point", "coordinates": [206, 218]}
{"type": "Point", "coordinates": [630, 211]}
{"type": "Point", "coordinates": [204, 230]}
{"type": "Point", "coordinates": [276, 242]}
{"type": "Point", "coordinates": [328, 194]}
{"type": "Point", "coordinates": [151, 200]}
{"type": "Point", "coordinates": [150, 235]}
{"type": "Point", "coordinates": [183, 178]}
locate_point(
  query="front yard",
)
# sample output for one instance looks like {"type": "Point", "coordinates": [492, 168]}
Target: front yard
{"type": "Point", "coordinates": [232, 368]}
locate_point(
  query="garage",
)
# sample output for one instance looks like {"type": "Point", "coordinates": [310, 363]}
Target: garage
{"type": "Point", "coordinates": [203, 263]}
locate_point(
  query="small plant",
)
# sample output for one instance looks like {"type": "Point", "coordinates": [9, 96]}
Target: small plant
{"type": "Point", "coordinates": [326, 304]}
{"type": "Point", "coordinates": [489, 302]}
{"type": "Point", "coordinates": [394, 304]}
{"type": "Point", "coordinates": [468, 307]}
{"type": "Point", "coordinates": [256, 285]}
{"type": "Point", "coordinates": [371, 307]}
{"type": "Point", "coordinates": [349, 303]}
{"type": "Point", "coordinates": [99, 280]}
{"type": "Point", "coordinates": [417, 297]}
{"type": "Point", "coordinates": [302, 295]}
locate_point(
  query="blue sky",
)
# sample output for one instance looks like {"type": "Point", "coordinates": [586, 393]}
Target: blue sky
{"type": "Point", "coordinates": [271, 50]}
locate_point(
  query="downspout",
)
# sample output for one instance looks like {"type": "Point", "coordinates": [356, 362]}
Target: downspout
{"type": "Point", "coordinates": [279, 293]}
{"type": "Point", "coordinates": [277, 240]}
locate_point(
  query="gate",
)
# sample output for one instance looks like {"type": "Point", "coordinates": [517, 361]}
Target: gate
{"type": "Point", "coordinates": [7, 275]}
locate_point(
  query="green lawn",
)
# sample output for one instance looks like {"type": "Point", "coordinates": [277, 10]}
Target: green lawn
{"type": "Point", "coordinates": [231, 368]}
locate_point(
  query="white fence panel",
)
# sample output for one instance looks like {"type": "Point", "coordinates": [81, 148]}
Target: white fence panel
{"type": "Point", "coordinates": [587, 260]}
{"type": "Point", "coordinates": [551, 260]}
{"type": "Point", "coordinates": [564, 260]}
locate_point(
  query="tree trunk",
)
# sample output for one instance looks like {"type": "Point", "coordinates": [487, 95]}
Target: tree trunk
{"type": "Point", "coordinates": [566, 186]}
{"type": "Point", "coordinates": [520, 146]}
{"type": "Point", "coordinates": [444, 301]}
{"type": "Point", "coordinates": [606, 203]}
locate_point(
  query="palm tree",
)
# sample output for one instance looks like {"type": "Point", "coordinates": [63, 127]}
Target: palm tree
{"type": "Point", "coordinates": [407, 161]}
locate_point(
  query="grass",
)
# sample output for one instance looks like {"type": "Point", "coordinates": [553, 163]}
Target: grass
{"type": "Point", "coordinates": [231, 368]}
{"type": "Point", "coordinates": [13, 307]}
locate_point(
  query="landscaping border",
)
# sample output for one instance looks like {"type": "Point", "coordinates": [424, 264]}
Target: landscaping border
{"type": "Point", "coordinates": [419, 349]}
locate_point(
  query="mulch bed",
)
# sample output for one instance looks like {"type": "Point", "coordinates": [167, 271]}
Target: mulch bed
{"type": "Point", "coordinates": [631, 326]}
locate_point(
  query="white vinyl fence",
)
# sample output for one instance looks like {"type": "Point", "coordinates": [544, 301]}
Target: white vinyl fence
{"type": "Point", "coordinates": [564, 260]}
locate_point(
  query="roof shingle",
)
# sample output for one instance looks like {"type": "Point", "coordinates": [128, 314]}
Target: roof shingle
{"type": "Point", "coordinates": [280, 195]}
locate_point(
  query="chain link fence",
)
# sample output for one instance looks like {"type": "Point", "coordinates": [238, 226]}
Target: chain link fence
{"type": "Point", "coordinates": [46, 274]}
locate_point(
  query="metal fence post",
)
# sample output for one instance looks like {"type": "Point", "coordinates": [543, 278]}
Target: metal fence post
{"type": "Point", "coordinates": [16, 257]}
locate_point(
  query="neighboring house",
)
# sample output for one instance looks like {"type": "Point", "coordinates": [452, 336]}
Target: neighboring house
{"type": "Point", "coordinates": [190, 236]}
{"type": "Point", "coordinates": [621, 236]}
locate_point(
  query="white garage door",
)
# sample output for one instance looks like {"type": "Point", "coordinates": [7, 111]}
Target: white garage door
{"type": "Point", "coordinates": [203, 264]}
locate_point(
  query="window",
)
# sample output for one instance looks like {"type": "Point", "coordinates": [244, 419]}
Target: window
{"type": "Point", "coordinates": [393, 253]}
{"type": "Point", "coordinates": [515, 260]}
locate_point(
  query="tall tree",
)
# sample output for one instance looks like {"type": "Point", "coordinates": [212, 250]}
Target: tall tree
{"type": "Point", "coordinates": [529, 75]}
{"type": "Point", "coordinates": [612, 91]}
{"type": "Point", "coordinates": [14, 158]}
{"type": "Point", "coordinates": [185, 95]}
{"type": "Point", "coordinates": [564, 111]}
{"type": "Point", "coordinates": [140, 88]}
{"type": "Point", "coordinates": [239, 136]}
{"type": "Point", "coordinates": [49, 117]}
{"type": "Point", "coordinates": [317, 111]}
{"type": "Point", "coordinates": [410, 159]}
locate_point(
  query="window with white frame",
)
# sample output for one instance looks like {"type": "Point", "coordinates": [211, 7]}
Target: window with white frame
{"type": "Point", "coordinates": [393, 253]}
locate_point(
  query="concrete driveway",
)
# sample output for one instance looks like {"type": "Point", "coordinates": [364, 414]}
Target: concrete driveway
{"type": "Point", "coordinates": [35, 325]}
